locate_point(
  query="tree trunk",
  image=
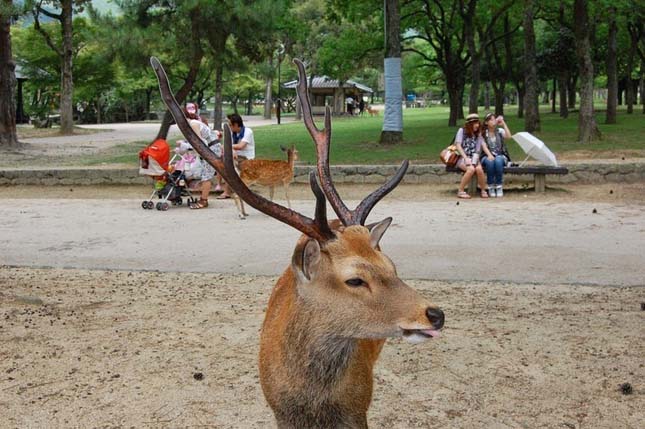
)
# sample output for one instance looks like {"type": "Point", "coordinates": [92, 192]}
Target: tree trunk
{"type": "Point", "coordinates": [219, 87]}
{"type": "Point", "coordinates": [487, 95]}
{"type": "Point", "coordinates": [392, 131]}
{"type": "Point", "coordinates": [97, 105]}
{"type": "Point", "coordinates": [8, 136]}
{"type": "Point", "coordinates": [498, 90]}
{"type": "Point", "coordinates": [521, 95]}
{"type": "Point", "coordinates": [643, 84]}
{"type": "Point", "coordinates": [630, 96]}
{"type": "Point", "coordinates": [612, 74]}
{"type": "Point", "coordinates": [587, 128]}
{"type": "Point", "coordinates": [555, 88]}
{"type": "Point", "coordinates": [67, 82]}
{"type": "Point", "coordinates": [571, 87]}
{"type": "Point", "coordinates": [468, 14]}
{"type": "Point", "coordinates": [148, 99]}
{"type": "Point", "coordinates": [531, 110]}
{"type": "Point", "coordinates": [268, 97]}
{"type": "Point", "coordinates": [562, 86]}
{"type": "Point", "coordinates": [249, 104]}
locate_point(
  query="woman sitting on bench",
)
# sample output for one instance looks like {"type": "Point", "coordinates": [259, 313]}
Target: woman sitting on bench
{"type": "Point", "coordinates": [469, 144]}
{"type": "Point", "coordinates": [496, 153]}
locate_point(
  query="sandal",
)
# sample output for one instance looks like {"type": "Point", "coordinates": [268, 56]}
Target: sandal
{"type": "Point", "coordinates": [200, 204]}
{"type": "Point", "coordinates": [463, 194]}
{"type": "Point", "coordinates": [484, 194]}
{"type": "Point", "coordinates": [223, 197]}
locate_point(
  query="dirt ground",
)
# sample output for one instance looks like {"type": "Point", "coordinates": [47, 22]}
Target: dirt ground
{"type": "Point", "coordinates": [168, 350]}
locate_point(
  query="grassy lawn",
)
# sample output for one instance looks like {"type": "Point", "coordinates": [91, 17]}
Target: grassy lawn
{"type": "Point", "coordinates": [355, 140]}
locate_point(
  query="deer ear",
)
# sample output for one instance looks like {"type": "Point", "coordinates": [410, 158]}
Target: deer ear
{"type": "Point", "coordinates": [305, 259]}
{"type": "Point", "coordinates": [377, 230]}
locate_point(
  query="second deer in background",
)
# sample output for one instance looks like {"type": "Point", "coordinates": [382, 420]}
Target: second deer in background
{"type": "Point", "coordinates": [270, 172]}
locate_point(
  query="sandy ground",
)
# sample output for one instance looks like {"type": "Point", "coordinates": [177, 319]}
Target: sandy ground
{"type": "Point", "coordinates": [543, 339]}
{"type": "Point", "coordinates": [553, 238]}
{"type": "Point", "coordinates": [123, 349]}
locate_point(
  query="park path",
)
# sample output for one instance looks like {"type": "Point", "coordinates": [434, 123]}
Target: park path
{"type": "Point", "coordinates": [545, 242]}
{"type": "Point", "coordinates": [119, 133]}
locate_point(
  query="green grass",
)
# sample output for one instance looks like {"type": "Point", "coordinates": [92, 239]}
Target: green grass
{"type": "Point", "coordinates": [426, 133]}
{"type": "Point", "coordinates": [355, 140]}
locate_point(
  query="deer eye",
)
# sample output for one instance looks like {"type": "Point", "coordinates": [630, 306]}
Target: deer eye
{"type": "Point", "coordinates": [355, 282]}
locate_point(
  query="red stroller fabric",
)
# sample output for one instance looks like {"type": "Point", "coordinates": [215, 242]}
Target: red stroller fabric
{"type": "Point", "coordinates": [157, 150]}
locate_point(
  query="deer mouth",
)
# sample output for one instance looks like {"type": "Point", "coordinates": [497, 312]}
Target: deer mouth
{"type": "Point", "coordinates": [419, 335]}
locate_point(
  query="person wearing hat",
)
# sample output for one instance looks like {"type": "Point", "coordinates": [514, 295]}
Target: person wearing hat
{"type": "Point", "coordinates": [496, 153]}
{"type": "Point", "coordinates": [469, 143]}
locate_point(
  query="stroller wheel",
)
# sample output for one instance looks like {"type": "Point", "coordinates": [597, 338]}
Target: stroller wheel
{"type": "Point", "coordinates": [144, 205]}
{"type": "Point", "coordinates": [149, 205]}
{"type": "Point", "coordinates": [164, 206]}
{"type": "Point", "coordinates": [158, 206]}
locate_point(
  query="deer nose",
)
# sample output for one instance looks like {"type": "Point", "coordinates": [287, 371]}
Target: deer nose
{"type": "Point", "coordinates": [436, 317]}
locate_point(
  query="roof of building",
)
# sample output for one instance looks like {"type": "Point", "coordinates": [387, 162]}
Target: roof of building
{"type": "Point", "coordinates": [18, 72]}
{"type": "Point", "coordinates": [327, 82]}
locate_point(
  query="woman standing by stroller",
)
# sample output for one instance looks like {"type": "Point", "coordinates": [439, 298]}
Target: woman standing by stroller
{"type": "Point", "coordinates": [497, 153]}
{"type": "Point", "coordinates": [210, 138]}
{"type": "Point", "coordinates": [469, 143]}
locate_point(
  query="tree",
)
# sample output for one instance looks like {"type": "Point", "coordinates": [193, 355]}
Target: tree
{"type": "Point", "coordinates": [8, 136]}
{"type": "Point", "coordinates": [392, 131]}
{"type": "Point", "coordinates": [612, 73]}
{"type": "Point", "coordinates": [64, 50]}
{"type": "Point", "coordinates": [439, 24]}
{"type": "Point", "coordinates": [474, 26]}
{"type": "Point", "coordinates": [531, 107]}
{"type": "Point", "coordinates": [587, 127]}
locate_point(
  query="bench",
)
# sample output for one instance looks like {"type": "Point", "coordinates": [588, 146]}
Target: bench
{"type": "Point", "coordinates": [539, 173]}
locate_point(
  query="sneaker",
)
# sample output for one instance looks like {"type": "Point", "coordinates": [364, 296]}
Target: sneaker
{"type": "Point", "coordinates": [499, 192]}
{"type": "Point", "coordinates": [491, 191]}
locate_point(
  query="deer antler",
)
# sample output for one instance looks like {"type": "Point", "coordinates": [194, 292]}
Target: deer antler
{"type": "Point", "coordinates": [322, 140]}
{"type": "Point", "coordinates": [317, 228]}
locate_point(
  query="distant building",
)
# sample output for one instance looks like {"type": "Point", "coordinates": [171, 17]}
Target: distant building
{"type": "Point", "coordinates": [325, 91]}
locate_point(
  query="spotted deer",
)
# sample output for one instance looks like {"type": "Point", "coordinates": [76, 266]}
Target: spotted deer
{"type": "Point", "coordinates": [270, 173]}
{"type": "Point", "coordinates": [336, 303]}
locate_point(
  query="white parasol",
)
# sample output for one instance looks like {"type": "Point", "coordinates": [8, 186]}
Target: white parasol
{"type": "Point", "coordinates": [535, 148]}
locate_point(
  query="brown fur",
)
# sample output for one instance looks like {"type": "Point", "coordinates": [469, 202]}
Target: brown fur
{"type": "Point", "coordinates": [270, 172]}
{"type": "Point", "coordinates": [372, 111]}
{"type": "Point", "coordinates": [321, 338]}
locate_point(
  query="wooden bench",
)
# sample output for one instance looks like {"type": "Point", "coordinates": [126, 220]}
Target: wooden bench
{"type": "Point", "coordinates": [539, 173]}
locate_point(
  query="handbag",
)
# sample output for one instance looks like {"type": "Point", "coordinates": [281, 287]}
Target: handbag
{"type": "Point", "coordinates": [450, 156]}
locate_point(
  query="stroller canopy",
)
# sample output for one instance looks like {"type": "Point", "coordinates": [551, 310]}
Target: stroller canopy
{"type": "Point", "coordinates": [154, 158]}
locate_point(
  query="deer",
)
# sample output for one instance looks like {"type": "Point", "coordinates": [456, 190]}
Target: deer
{"type": "Point", "coordinates": [270, 172]}
{"type": "Point", "coordinates": [372, 111]}
{"type": "Point", "coordinates": [338, 300]}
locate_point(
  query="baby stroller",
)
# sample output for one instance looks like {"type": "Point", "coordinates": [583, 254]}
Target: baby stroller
{"type": "Point", "coordinates": [171, 176]}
